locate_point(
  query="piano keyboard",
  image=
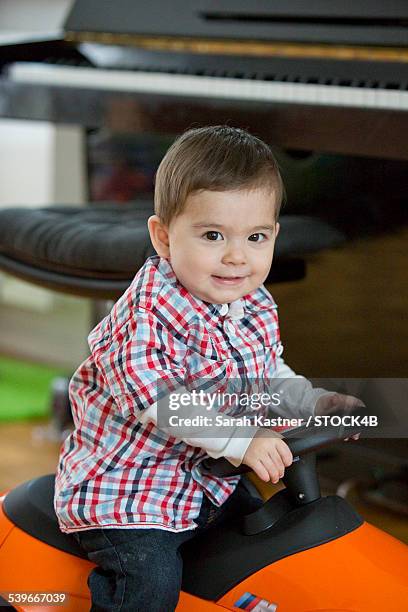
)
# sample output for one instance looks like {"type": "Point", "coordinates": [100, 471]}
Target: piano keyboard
{"type": "Point", "coordinates": [206, 86]}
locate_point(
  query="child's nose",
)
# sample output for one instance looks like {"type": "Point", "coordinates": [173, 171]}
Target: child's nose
{"type": "Point", "coordinates": [234, 254]}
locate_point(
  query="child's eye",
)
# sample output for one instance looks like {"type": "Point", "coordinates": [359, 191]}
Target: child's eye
{"type": "Point", "coordinates": [212, 235]}
{"type": "Point", "coordinates": [264, 237]}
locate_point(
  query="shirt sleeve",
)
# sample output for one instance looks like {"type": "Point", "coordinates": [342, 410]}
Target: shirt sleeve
{"type": "Point", "coordinates": [230, 441]}
{"type": "Point", "coordinates": [142, 365]}
{"type": "Point", "coordinates": [297, 396]}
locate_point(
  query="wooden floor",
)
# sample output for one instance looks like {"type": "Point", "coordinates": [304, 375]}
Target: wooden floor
{"type": "Point", "coordinates": [25, 452]}
{"type": "Point", "coordinates": [348, 318]}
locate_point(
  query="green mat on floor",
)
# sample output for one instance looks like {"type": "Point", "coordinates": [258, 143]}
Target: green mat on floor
{"type": "Point", "coordinates": [25, 389]}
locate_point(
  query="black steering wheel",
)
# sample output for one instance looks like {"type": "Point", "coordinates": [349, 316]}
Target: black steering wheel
{"type": "Point", "coordinates": [301, 440]}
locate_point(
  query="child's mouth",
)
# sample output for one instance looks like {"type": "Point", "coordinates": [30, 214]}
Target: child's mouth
{"type": "Point", "coordinates": [230, 280]}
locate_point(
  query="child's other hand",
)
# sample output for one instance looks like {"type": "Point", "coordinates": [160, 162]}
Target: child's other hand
{"type": "Point", "coordinates": [268, 456]}
{"type": "Point", "coordinates": [340, 404]}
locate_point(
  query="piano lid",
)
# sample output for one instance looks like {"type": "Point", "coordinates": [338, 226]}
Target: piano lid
{"type": "Point", "coordinates": [361, 22]}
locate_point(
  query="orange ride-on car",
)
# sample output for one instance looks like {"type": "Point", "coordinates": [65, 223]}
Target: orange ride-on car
{"type": "Point", "coordinates": [300, 552]}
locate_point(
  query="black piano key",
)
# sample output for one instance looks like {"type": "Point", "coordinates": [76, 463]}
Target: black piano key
{"type": "Point", "coordinates": [392, 85]}
{"type": "Point", "coordinates": [344, 82]}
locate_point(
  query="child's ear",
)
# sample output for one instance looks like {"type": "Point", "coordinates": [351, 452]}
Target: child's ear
{"type": "Point", "coordinates": [159, 235]}
{"type": "Point", "coordinates": [277, 228]}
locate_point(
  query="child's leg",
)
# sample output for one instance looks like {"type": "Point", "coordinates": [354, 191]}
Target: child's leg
{"type": "Point", "coordinates": [241, 502]}
{"type": "Point", "coordinates": [138, 569]}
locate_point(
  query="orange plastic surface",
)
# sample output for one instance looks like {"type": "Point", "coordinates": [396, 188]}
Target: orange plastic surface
{"type": "Point", "coordinates": [5, 525]}
{"type": "Point", "coordinates": [27, 565]}
{"type": "Point", "coordinates": [363, 571]}
{"type": "Point", "coordinates": [73, 604]}
{"type": "Point", "coordinates": [189, 603]}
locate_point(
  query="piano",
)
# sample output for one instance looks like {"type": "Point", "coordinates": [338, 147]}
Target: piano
{"type": "Point", "coordinates": [322, 75]}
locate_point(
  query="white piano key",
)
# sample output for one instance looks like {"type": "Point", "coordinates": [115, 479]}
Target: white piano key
{"type": "Point", "coordinates": [209, 87]}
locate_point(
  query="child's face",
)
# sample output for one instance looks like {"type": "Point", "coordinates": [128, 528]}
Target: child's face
{"type": "Point", "coordinates": [221, 246]}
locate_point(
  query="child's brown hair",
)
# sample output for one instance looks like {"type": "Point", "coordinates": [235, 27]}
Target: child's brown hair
{"type": "Point", "coordinates": [214, 158]}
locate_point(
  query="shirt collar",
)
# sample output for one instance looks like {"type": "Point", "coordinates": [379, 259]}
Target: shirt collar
{"type": "Point", "coordinates": [259, 299]}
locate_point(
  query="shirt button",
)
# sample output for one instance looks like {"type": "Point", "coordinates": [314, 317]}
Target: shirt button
{"type": "Point", "coordinates": [279, 349]}
{"type": "Point", "coordinates": [224, 310]}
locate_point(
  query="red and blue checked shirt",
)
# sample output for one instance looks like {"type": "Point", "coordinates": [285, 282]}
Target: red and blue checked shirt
{"type": "Point", "coordinates": [117, 469]}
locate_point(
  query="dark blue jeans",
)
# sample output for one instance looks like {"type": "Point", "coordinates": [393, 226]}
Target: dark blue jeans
{"type": "Point", "coordinates": [139, 570]}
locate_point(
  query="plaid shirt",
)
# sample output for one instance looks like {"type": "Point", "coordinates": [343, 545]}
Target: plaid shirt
{"type": "Point", "coordinates": [118, 470]}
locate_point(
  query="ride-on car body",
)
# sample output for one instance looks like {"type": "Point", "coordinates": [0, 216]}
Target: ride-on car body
{"type": "Point", "coordinates": [300, 552]}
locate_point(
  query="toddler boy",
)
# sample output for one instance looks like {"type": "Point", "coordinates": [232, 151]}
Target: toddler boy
{"type": "Point", "coordinates": [196, 315]}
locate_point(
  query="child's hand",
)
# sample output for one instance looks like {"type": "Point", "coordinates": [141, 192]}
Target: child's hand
{"type": "Point", "coordinates": [268, 456]}
{"type": "Point", "coordinates": [339, 404]}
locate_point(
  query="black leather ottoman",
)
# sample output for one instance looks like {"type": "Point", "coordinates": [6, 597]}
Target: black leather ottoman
{"type": "Point", "coordinates": [95, 251]}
